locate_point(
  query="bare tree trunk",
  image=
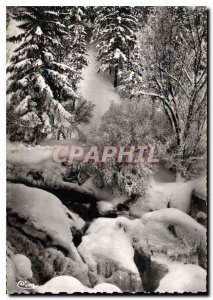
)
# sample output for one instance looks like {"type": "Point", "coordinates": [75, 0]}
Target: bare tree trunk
{"type": "Point", "coordinates": [116, 77]}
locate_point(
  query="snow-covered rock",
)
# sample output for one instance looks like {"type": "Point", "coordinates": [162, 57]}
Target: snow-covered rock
{"type": "Point", "coordinates": [189, 236]}
{"type": "Point", "coordinates": [43, 212]}
{"type": "Point", "coordinates": [18, 269]}
{"type": "Point", "coordinates": [182, 278]}
{"type": "Point", "coordinates": [106, 238]}
{"type": "Point", "coordinates": [23, 265]}
{"type": "Point", "coordinates": [200, 187]}
{"type": "Point", "coordinates": [36, 166]}
{"type": "Point", "coordinates": [162, 195]}
{"type": "Point", "coordinates": [108, 252]}
{"type": "Point", "coordinates": [173, 216]}
{"type": "Point", "coordinates": [110, 244]}
{"type": "Point", "coordinates": [39, 226]}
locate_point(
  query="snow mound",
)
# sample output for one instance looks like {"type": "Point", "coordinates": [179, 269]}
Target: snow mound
{"type": "Point", "coordinates": [43, 212]}
{"type": "Point", "coordinates": [106, 288]}
{"type": "Point", "coordinates": [62, 284]}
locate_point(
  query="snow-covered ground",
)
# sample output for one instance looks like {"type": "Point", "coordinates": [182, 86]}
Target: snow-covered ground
{"type": "Point", "coordinates": [98, 88]}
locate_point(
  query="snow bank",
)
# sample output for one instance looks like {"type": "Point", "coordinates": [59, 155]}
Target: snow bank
{"type": "Point", "coordinates": [44, 212]}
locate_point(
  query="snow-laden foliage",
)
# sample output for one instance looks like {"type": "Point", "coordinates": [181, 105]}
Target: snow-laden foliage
{"type": "Point", "coordinates": [118, 178]}
{"type": "Point", "coordinates": [114, 35]}
{"type": "Point", "coordinates": [41, 84]}
{"type": "Point", "coordinates": [77, 41]}
{"type": "Point", "coordinates": [174, 51]}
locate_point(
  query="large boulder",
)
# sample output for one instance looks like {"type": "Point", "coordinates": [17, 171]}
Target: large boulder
{"type": "Point", "coordinates": [40, 227]}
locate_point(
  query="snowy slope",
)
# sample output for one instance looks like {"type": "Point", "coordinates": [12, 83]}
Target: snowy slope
{"type": "Point", "coordinates": [98, 88]}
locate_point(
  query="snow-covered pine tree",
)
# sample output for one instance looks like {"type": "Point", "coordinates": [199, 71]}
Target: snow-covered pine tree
{"type": "Point", "coordinates": [78, 39]}
{"type": "Point", "coordinates": [39, 84]}
{"type": "Point", "coordinates": [114, 35]}
{"type": "Point", "coordinates": [133, 76]}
